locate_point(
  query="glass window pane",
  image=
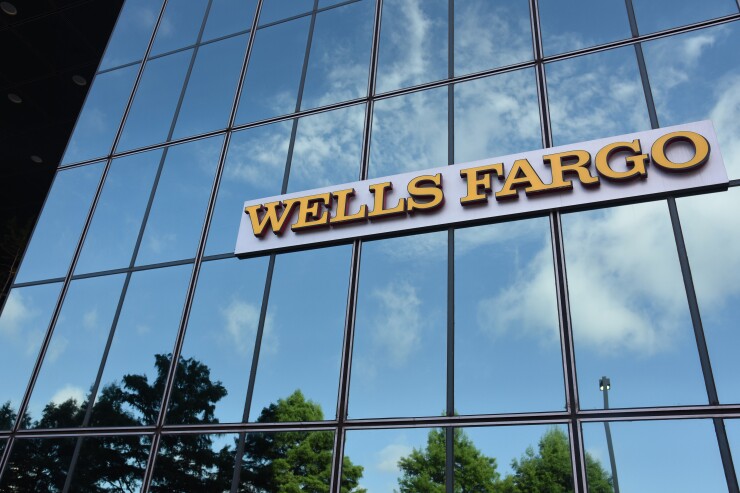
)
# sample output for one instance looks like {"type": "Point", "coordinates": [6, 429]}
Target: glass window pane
{"type": "Point", "coordinates": [328, 149]}
{"type": "Point", "coordinates": [294, 461]}
{"type": "Point", "coordinates": [575, 24]}
{"type": "Point", "coordinates": [630, 317]}
{"type": "Point", "coordinates": [210, 93]}
{"type": "Point", "coordinates": [413, 43]}
{"type": "Point", "coordinates": [150, 118]}
{"type": "Point", "coordinates": [491, 34]}
{"type": "Point", "coordinates": [132, 33]}
{"type": "Point", "coordinates": [373, 458]}
{"type": "Point", "coordinates": [139, 358]}
{"type": "Point", "coordinates": [219, 342]}
{"type": "Point", "coordinates": [274, 73]}
{"type": "Point", "coordinates": [496, 116]}
{"type": "Point", "coordinates": [657, 15]}
{"type": "Point", "coordinates": [515, 458]}
{"type": "Point", "coordinates": [507, 338]}
{"type": "Point", "coordinates": [596, 96]}
{"type": "Point", "coordinates": [696, 76]}
{"type": "Point", "coordinates": [733, 435]}
{"type": "Point", "coordinates": [115, 227]}
{"type": "Point", "coordinates": [302, 341]}
{"type": "Point", "coordinates": [71, 363]}
{"type": "Point", "coordinates": [104, 464]}
{"type": "Point", "coordinates": [38, 465]}
{"type": "Point", "coordinates": [254, 168]}
{"type": "Point", "coordinates": [59, 227]}
{"type": "Point", "coordinates": [276, 10]}
{"type": "Point", "coordinates": [101, 115]}
{"type": "Point", "coordinates": [711, 228]}
{"type": "Point", "coordinates": [409, 133]}
{"type": "Point", "coordinates": [23, 324]}
{"type": "Point", "coordinates": [175, 221]}
{"type": "Point", "coordinates": [194, 463]}
{"type": "Point", "coordinates": [228, 17]}
{"type": "Point", "coordinates": [340, 55]}
{"type": "Point", "coordinates": [180, 25]}
{"type": "Point", "coordinates": [677, 456]}
{"type": "Point", "coordinates": [398, 367]}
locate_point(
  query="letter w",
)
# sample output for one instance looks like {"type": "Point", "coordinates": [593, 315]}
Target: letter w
{"type": "Point", "coordinates": [277, 222]}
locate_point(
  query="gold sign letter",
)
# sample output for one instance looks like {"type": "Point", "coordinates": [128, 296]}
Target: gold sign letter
{"type": "Point", "coordinates": [418, 188]}
{"type": "Point", "coordinates": [379, 210]}
{"type": "Point", "coordinates": [521, 174]}
{"type": "Point", "coordinates": [701, 151]}
{"type": "Point", "coordinates": [342, 217]}
{"type": "Point", "coordinates": [579, 167]}
{"type": "Point", "coordinates": [636, 163]}
{"type": "Point", "coordinates": [309, 214]}
{"type": "Point", "coordinates": [276, 221]}
{"type": "Point", "coordinates": [479, 182]}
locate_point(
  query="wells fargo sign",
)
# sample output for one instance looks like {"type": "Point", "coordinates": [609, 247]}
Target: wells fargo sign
{"type": "Point", "coordinates": [682, 159]}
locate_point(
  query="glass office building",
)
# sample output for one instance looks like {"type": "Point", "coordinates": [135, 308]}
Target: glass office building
{"type": "Point", "coordinates": [460, 359]}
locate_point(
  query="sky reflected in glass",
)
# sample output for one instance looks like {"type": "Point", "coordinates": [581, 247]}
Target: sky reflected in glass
{"type": "Point", "coordinates": [132, 33]}
{"type": "Point", "coordinates": [657, 15]}
{"type": "Point", "coordinates": [228, 17]}
{"type": "Point", "coordinates": [180, 25]}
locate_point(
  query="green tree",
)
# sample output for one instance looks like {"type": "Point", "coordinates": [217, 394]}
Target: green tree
{"type": "Point", "coordinates": [293, 461]}
{"type": "Point", "coordinates": [549, 469]}
{"type": "Point", "coordinates": [423, 470]}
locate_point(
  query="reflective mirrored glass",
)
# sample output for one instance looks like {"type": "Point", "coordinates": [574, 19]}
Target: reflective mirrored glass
{"type": "Point", "coordinates": [180, 25]}
{"type": "Point", "coordinates": [518, 458]}
{"type": "Point", "coordinates": [277, 10]}
{"type": "Point", "coordinates": [116, 223]}
{"type": "Point", "coordinates": [274, 73]}
{"type": "Point", "coordinates": [132, 33]}
{"type": "Point", "coordinates": [59, 227]}
{"type": "Point", "coordinates": [680, 456]}
{"type": "Point", "coordinates": [176, 218]}
{"type": "Point", "coordinates": [139, 358]}
{"type": "Point", "coordinates": [211, 87]}
{"type": "Point", "coordinates": [150, 118]}
{"type": "Point", "coordinates": [304, 328]}
{"type": "Point", "coordinates": [395, 460]}
{"type": "Point", "coordinates": [630, 316]}
{"type": "Point", "coordinates": [254, 168]}
{"type": "Point", "coordinates": [194, 463]}
{"type": "Point", "coordinates": [298, 460]}
{"type": "Point", "coordinates": [340, 55]}
{"type": "Point", "coordinates": [490, 34]}
{"type": "Point", "coordinates": [711, 229]}
{"type": "Point", "coordinates": [101, 115]}
{"type": "Point", "coordinates": [507, 336]}
{"type": "Point", "coordinates": [23, 324]}
{"type": "Point", "coordinates": [496, 116]}
{"type": "Point", "coordinates": [228, 17]}
{"type": "Point", "coordinates": [413, 43]}
{"type": "Point", "coordinates": [328, 149]}
{"type": "Point", "coordinates": [596, 96]}
{"type": "Point", "coordinates": [398, 363]}
{"type": "Point", "coordinates": [71, 364]}
{"type": "Point", "coordinates": [696, 76]}
{"type": "Point", "coordinates": [409, 133]}
{"type": "Point", "coordinates": [657, 15]}
{"type": "Point", "coordinates": [575, 24]}
{"type": "Point", "coordinates": [219, 342]}
{"type": "Point", "coordinates": [103, 464]}
{"type": "Point", "coordinates": [733, 435]}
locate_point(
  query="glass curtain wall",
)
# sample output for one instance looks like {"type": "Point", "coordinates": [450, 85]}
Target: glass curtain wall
{"type": "Point", "coordinates": [574, 351]}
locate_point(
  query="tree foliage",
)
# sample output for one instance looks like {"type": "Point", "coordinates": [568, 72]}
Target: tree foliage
{"type": "Point", "coordinates": [546, 470]}
{"type": "Point", "coordinates": [273, 462]}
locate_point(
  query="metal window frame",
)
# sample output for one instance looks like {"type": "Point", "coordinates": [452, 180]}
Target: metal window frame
{"type": "Point", "coordinates": [573, 416]}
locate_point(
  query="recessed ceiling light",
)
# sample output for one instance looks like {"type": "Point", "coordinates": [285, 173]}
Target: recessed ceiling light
{"type": "Point", "coordinates": [36, 159]}
{"type": "Point", "coordinates": [8, 8]}
{"type": "Point", "coordinates": [79, 80]}
{"type": "Point", "coordinates": [15, 98]}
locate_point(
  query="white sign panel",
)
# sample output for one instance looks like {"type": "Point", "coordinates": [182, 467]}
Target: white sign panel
{"type": "Point", "coordinates": [682, 159]}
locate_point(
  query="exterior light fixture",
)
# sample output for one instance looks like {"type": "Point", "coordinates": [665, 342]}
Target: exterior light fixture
{"type": "Point", "coordinates": [14, 98]}
{"type": "Point", "coordinates": [79, 80]}
{"type": "Point", "coordinates": [604, 384]}
{"type": "Point", "coordinates": [36, 159]}
{"type": "Point", "coordinates": [8, 8]}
